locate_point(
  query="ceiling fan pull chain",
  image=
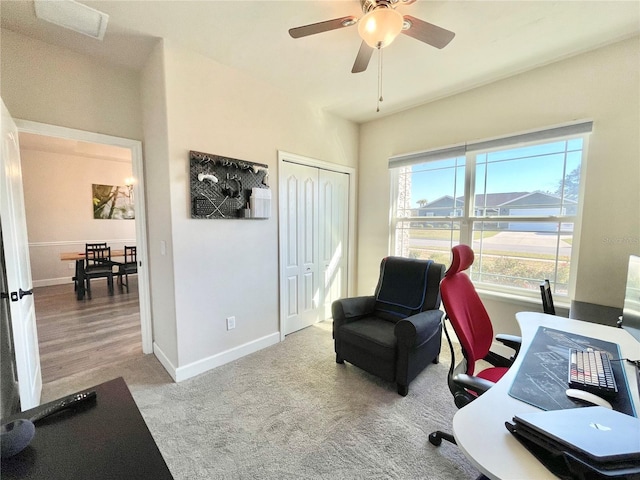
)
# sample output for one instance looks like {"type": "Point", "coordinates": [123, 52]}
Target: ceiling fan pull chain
{"type": "Point", "coordinates": [380, 99]}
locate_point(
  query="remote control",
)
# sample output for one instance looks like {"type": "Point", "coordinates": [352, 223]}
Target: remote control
{"type": "Point", "coordinates": [68, 402]}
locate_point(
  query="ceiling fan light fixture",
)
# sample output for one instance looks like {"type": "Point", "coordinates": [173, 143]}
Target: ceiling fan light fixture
{"type": "Point", "coordinates": [349, 21]}
{"type": "Point", "coordinates": [379, 27]}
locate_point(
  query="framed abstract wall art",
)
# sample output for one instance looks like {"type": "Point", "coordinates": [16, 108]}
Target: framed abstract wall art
{"type": "Point", "coordinates": [113, 202]}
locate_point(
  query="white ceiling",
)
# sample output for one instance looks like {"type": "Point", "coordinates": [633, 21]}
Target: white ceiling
{"type": "Point", "coordinates": [494, 40]}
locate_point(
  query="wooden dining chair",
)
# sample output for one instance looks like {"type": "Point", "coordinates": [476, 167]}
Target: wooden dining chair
{"type": "Point", "coordinates": [98, 264]}
{"type": "Point", "coordinates": [130, 266]}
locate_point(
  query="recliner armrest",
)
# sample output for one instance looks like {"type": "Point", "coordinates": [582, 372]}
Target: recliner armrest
{"type": "Point", "coordinates": [345, 310]}
{"type": "Point", "coordinates": [475, 384]}
{"type": "Point", "coordinates": [417, 329]}
{"type": "Point", "coordinates": [353, 307]}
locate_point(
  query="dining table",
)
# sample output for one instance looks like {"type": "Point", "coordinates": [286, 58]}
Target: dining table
{"type": "Point", "coordinates": [78, 278]}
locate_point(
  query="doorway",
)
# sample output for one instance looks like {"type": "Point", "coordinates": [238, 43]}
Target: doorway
{"type": "Point", "coordinates": [97, 142]}
{"type": "Point", "coordinates": [316, 205]}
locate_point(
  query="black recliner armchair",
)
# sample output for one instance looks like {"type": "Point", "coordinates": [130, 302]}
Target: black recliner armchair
{"type": "Point", "coordinates": [395, 333]}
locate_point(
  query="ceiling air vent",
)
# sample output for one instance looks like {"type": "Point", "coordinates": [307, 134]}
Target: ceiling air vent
{"type": "Point", "coordinates": [74, 16]}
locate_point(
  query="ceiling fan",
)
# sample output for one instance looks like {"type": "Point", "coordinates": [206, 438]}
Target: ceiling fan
{"type": "Point", "coordinates": [378, 27]}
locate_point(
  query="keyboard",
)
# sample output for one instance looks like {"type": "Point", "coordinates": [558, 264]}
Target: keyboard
{"type": "Point", "coordinates": [590, 370]}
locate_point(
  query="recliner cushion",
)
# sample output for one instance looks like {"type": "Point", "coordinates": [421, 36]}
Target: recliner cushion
{"type": "Point", "coordinates": [403, 282]}
{"type": "Point", "coordinates": [401, 287]}
{"type": "Point", "coordinates": [373, 335]}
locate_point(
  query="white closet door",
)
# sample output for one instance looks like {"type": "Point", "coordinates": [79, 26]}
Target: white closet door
{"type": "Point", "coordinates": [334, 230]}
{"type": "Point", "coordinates": [314, 235]}
{"type": "Point", "coordinates": [300, 285]}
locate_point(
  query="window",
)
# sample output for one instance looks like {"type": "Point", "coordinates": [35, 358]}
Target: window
{"type": "Point", "coordinates": [514, 200]}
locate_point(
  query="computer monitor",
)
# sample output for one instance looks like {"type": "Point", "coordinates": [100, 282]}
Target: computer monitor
{"type": "Point", "coordinates": [631, 308]}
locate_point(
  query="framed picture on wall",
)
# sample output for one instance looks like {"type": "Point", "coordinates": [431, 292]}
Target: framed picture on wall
{"type": "Point", "coordinates": [113, 202]}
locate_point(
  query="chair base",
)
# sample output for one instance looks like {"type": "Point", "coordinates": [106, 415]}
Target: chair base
{"type": "Point", "coordinates": [87, 289]}
{"type": "Point", "coordinates": [123, 283]}
{"type": "Point", "coordinates": [339, 359]}
{"type": "Point", "coordinates": [436, 438]}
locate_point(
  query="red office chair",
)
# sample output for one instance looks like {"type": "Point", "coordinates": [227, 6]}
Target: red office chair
{"type": "Point", "coordinates": [473, 327]}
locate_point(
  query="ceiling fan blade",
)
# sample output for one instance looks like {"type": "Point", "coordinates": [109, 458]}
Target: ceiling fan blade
{"type": "Point", "coordinates": [320, 27]}
{"type": "Point", "coordinates": [362, 60]}
{"type": "Point", "coordinates": [428, 33]}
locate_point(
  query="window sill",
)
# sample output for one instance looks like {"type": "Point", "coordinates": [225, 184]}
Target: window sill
{"type": "Point", "coordinates": [560, 302]}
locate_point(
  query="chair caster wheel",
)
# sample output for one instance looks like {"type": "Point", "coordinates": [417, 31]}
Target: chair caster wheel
{"type": "Point", "coordinates": [434, 439]}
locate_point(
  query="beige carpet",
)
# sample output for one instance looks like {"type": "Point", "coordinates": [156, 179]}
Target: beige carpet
{"type": "Point", "coordinates": [290, 412]}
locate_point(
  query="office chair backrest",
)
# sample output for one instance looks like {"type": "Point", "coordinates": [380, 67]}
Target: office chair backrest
{"type": "Point", "coordinates": [406, 286]}
{"type": "Point", "coordinates": [464, 308]}
{"type": "Point", "coordinates": [547, 298]}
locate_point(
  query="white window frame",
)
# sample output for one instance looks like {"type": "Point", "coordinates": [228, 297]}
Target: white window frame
{"type": "Point", "coordinates": [469, 215]}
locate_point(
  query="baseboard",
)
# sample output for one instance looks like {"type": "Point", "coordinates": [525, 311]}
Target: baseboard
{"type": "Point", "coordinates": [201, 366]}
{"type": "Point", "coordinates": [164, 360]}
{"type": "Point", "coordinates": [81, 243]}
{"type": "Point", "coordinates": [61, 281]}
{"type": "Point", "coordinates": [51, 281]}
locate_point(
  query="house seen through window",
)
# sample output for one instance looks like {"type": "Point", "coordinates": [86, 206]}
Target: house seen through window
{"type": "Point", "coordinates": [516, 205]}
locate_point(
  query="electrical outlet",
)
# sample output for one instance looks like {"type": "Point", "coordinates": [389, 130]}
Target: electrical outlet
{"type": "Point", "coordinates": [72, 265]}
{"type": "Point", "coordinates": [231, 323]}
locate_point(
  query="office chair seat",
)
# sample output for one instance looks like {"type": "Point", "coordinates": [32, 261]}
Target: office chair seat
{"type": "Point", "coordinates": [493, 374]}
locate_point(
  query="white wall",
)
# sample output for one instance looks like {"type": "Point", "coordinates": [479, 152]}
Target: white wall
{"type": "Point", "coordinates": [57, 196]}
{"type": "Point", "coordinates": [49, 84]}
{"type": "Point", "coordinates": [602, 85]}
{"type": "Point", "coordinates": [159, 224]}
{"type": "Point", "coordinates": [230, 267]}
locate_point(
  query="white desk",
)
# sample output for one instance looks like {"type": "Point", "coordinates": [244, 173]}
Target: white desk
{"type": "Point", "coordinates": [479, 427]}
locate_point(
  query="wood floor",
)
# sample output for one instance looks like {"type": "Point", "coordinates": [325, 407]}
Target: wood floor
{"type": "Point", "coordinates": [78, 336]}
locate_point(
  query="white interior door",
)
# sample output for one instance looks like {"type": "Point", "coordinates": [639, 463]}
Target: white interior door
{"type": "Point", "coordinates": [314, 235]}
{"type": "Point", "coordinates": [334, 236]}
{"type": "Point", "coordinates": [18, 268]}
